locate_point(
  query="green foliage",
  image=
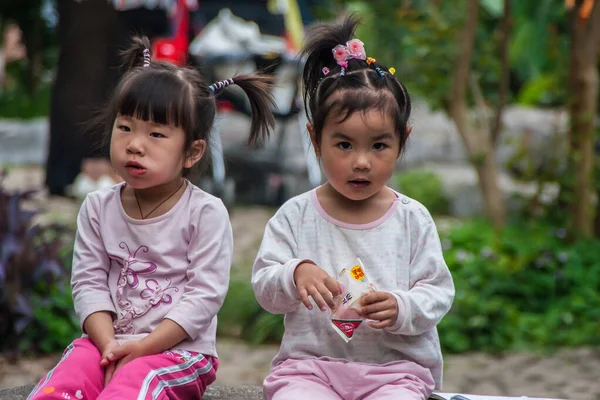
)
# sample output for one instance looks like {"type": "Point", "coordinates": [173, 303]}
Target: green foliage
{"type": "Point", "coordinates": [526, 288]}
{"type": "Point", "coordinates": [242, 316]}
{"type": "Point", "coordinates": [425, 187]}
{"type": "Point", "coordinates": [54, 324]}
{"type": "Point", "coordinates": [421, 41]}
{"type": "Point", "coordinates": [420, 38]}
{"type": "Point", "coordinates": [543, 90]}
{"type": "Point", "coordinates": [539, 37]}
{"type": "Point", "coordinates": [17, 104]}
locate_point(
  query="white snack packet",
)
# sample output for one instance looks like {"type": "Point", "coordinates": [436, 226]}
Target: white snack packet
{"type": "Point", "coordinates": [345, 318]}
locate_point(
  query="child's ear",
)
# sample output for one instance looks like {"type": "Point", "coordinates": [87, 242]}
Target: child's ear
{"type": "Point", "coordinates": [311, 132]}
{"type": "Point", "coordinates": [196, 153]}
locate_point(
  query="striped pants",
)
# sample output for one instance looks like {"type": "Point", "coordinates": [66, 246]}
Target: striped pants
{"type": "Point", "coordinates": [173, 374]}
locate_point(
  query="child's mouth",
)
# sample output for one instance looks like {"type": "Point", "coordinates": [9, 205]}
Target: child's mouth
{"type": "Point", "coordinates": [359, 183]}
{"type": "Point", "coordinates": [135, 169]}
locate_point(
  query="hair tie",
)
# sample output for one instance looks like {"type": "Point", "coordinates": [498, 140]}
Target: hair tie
{"type": "Point", "coordinates": [380, 72]}
{"type": "Point", "coordinates": [220, 85]}
{"type": "Point", "coordinates": [354, 49]}
{"type": "Point", "coordinates": [146, 58]}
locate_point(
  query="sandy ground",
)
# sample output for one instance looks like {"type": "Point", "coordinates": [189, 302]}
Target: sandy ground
{"type": "Point", "coordinates": [567, 374]}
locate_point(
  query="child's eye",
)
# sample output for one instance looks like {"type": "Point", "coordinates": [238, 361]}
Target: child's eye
{"type": "Point", "coordinates": [344, 145]}
{"type": "Point", "coordinates": [380, 146]}
{"type": "Point", "coordinates": [157, 135]}
{"type": "Point", "coordinates": [124, 128]}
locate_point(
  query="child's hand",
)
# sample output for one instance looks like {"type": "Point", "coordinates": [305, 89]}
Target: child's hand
{"type": "Point", "coordinates": [104, 362]}
{"type": "Point", "coordinates": [313, 281]}
{"type": "Point", "coordinates": [379, 306]}
{"type": "Point", "coordinates": [120, 356]}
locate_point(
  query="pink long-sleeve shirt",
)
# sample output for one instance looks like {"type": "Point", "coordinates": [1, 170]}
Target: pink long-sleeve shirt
{"type": "Point", "coordinates": [174, 266]}
{"type": "Point", "coordinates": [401, 253]}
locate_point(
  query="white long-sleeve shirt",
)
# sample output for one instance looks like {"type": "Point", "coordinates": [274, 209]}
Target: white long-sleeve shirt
{"type": "Point", "coordinates": [401, 253]}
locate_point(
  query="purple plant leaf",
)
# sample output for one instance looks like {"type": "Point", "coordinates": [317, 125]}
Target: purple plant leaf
{"type": "Point", "coordinates": [21, 323]}
{"type": "Point", "coordinates": [10, 246]}
{"type": "Point", "coordinates": [23, 307]}
{"type": "Point", "coordinates": [48, 266]}
{"type": "Point", "coordinates": [26, 216]}
{"type": "Point", "coordinates": [24, 314]}
{"type": "Point", "coordinates": [13, 214]}
{"type": "Point", "coordinates": [2, 272]}
{"type": "Point", "coordinates": [32, 232]}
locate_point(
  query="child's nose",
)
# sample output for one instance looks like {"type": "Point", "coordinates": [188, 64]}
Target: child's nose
{"type": "Point", "coordinates": [135, 146]}
{"type": "Point", "coordinates": [362, 162]}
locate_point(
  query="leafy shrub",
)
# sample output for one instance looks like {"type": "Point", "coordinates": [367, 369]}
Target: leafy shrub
{"type": "Point", "coordinates": [425, 187]}
{"type": "Point", "coordinates": [17, 104]}
{"type": "Point", "coordinates": [242, 316]}
{"type": "Point", "coordinates": [526, 288]}
{"type": "Point", "coordinates": [35, 297]}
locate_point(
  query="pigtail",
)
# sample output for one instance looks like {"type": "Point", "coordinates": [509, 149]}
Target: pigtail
{"type": "Point", "coordinates": [138, 54]}
{"type": "Point", "coordinates": [258, 89]}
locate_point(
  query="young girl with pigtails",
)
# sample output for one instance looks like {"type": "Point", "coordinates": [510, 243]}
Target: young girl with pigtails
{"type": "Point", "coordinates": [353, 229]}
{"type": "Point", "coordinates": [152, 255]}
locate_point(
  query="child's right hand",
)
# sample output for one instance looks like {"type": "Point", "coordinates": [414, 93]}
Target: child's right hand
{"type": "Point", "coordinates": [109, 366]}
{"type": "Point", "coordinates": [314, 282]}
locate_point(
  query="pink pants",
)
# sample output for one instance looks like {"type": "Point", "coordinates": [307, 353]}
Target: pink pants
{"type": "Point", "coordinates": [329, 379]}
{"type": "Point", "coordinates": [78, 375]}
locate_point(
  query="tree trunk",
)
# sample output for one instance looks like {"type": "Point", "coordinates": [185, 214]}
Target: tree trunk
{"type": "Point", "coordinates": [478, 144]}
{"type": "Point", "coordinates": [504, 85]}
{"type": "Point", "coordinates": [583, 109]}
{"type": "Point", "coordinates": [487, 172]}
{"type": "Point", "coordinates": [585, 39]}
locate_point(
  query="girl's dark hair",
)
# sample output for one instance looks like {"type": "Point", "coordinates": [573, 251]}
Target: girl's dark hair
{"type": "Point", "coordinates": [167, 94]}
{"type": "Point", "coordinates": [361, 88]}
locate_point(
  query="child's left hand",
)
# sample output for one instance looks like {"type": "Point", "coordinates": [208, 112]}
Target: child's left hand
{"type": "Point", "coordinates": [379, 306]}
{"type": "Point", "coordinates": [125, 353]}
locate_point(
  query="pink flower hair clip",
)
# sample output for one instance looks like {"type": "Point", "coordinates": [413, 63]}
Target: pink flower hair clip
{"type": "Point", "coordinates": [354, 49]}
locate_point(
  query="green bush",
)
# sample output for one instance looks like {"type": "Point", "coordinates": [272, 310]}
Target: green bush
{"type": "Point", "coordinates": [425, 187]}
{"type": "Point", "coordinates": [525, 288]}
{"type": "Point", "coordinates": [17, 104]}
{"type": "Point", "coordinates": [242, 316]}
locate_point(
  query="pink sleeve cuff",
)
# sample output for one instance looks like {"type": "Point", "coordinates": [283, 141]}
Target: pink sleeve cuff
{"type": "Point", "coordinates": [397, 327]}
{"type": "Point", "coordinates": [289, 285]}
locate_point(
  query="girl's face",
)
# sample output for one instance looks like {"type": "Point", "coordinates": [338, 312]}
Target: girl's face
{"type": "Point", "coordinates": [359, 154]}
{"type": "Point", "coordinates": [146, 154]}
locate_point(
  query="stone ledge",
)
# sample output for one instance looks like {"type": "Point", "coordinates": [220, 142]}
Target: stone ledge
{"type": "Point", "coordinates": [213, 393]}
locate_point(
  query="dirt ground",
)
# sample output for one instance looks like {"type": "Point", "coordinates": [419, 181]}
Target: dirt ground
{"type": "Point", "coordinates": [567, 374]}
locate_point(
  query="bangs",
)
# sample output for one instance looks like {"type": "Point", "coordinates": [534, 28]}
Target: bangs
{"type": "Point", "coordinates": [156, 97]}
{"type": "Point", "coordinates": [345, 103]}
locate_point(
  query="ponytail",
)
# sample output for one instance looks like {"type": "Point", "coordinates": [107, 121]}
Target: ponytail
{"type": "Point", "coordinates": [257, 87]}
{"type": "Point", "coordinates": [138, 54]}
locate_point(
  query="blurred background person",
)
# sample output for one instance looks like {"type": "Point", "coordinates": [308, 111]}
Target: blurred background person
{"type": "Point", "coordinates": [12, 49]}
